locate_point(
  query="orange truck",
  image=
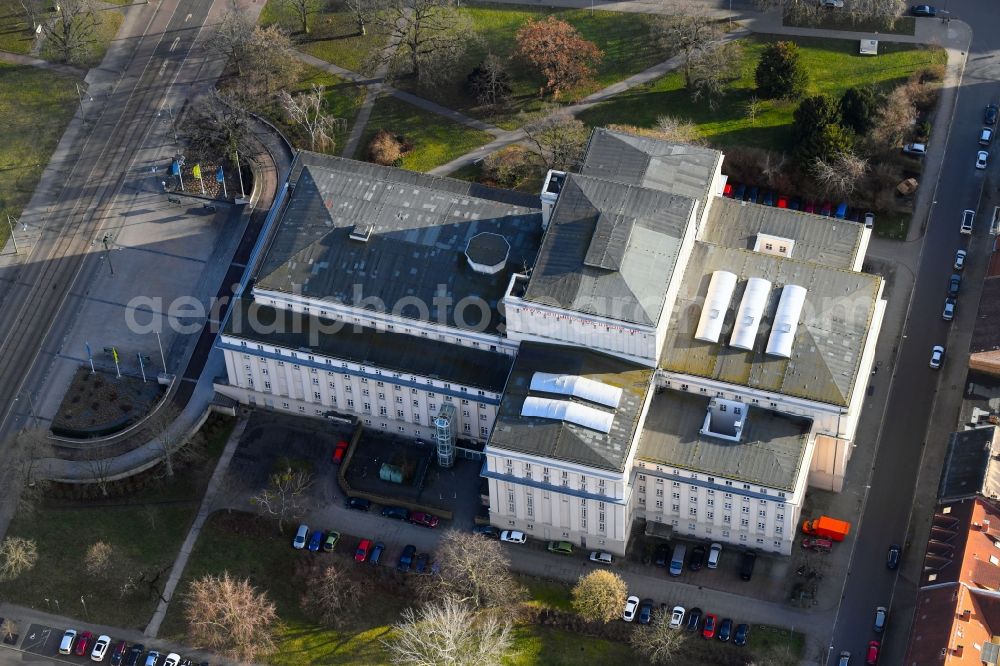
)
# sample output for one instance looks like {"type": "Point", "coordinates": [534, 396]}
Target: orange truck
{"type": "Point", "coordinates": [827, 527]}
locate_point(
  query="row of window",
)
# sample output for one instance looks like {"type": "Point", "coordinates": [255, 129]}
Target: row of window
{"type": "Point", "coordinates": [528, 473]}
{"type": "Point", "coordinates": [725, 534]}
{"type": "Point", "coordinates": [710, 479]}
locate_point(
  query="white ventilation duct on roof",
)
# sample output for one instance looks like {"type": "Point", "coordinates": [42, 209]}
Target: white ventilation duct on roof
{"type": "Point", "coordinates": [786, 321]}
{"type": "Point", "coordinates": [564, 410]}
{"type": "Point", "coordinates": [720, 291]}
{"type": "Point", "coordinates": [750, 312]}
{"type": "Point", "coordinates": [578, 387]}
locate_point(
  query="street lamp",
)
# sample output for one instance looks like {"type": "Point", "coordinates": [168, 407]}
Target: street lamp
{"type": "Point", "coordinates": [31, 407]}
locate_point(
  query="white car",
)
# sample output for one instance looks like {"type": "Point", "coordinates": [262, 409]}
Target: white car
{"type": "Point", "coordinates": [677, 617]}
{"type": "Point", "coordinates": [631, 605]}
{"type": "Point", "coordinates": [869, 220]}
{"type": "Point", "coordinates": [937, 356]}
{"type": "Point", "coordinates": [172, 659]}
{"type": "Point", "coordinates": [299, 542]}
{"type": "Point", "coordinates": [981, 158]}
{"type": "Point", "coordinates": [915, 148]}
{"type": "Point", "coordinates": [601, 557]}
{"type": "Point", "coordinates": [100, 648]}
{"type": "Point", "coordinates": [832, 4]}
{"type": "Point", "coordinates": [152, 658]}
{"type": "Point", "coordinates": [66, 644]}
{"type": "Point", "coordinates": [959, 260]}
{"type": "Point", "coordinates": [714, 553]}
{"type": "Point", "coordinates": [512, 536]}
{"type": "Point", "coordinates": [949, 309]}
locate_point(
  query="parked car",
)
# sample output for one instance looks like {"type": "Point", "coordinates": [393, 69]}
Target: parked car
{"type": "Point", "coordinates": [714, 553]}
{"type": "Point", "coordinates": [339, 451]}
{"type": "Point", "coordinates": [420, 565]}
{"type": "Point", "coordinates": [601, 557]}
{"type": "Point", "coordinates": [968, 216]}
{"type": "Point", "coordinates": [818, 544]}
{"type": "Point", "coordinates": [741, 635]}
{"type": "Point", "coordinates": [740, 192]}
{"type": "Point", "coordinates": [881, 615]}
{"type": "Point", "coordinates": [937, 356]}
{"type": "Point", "coordinates": [83, 643]}
{"type": "Point", "coordinates": [299, 542]}
{"type": "Point", "coordinates": [697, 559]}
{"type": "Point", "coordinates": [871, 657]}
{"type": "Point", "coordinates": [316, 541]}
{"type": "Point", "coordinates": [915, 149]}
{"type": "Point", "coordinates": [358, 503]}
{"type": "Point", "coordinates": [982, 157]}
{"type": "Point", "coordinates": [841, 211]}
{"type": "Point", "coordinates": [990, 116]}
{"type": "Point", "coordinates": [832, 4]}
{"type": "Point", "coordinates": [631, 606]}
{"type": "Point", "coordinates": [810, 207]}
{"type": "Point", "coordinates": [487, 531]}
{"type": "Point", "coordinates": [826, 209]}
{"type": "Point", "coordinates": [406, 559]}
{"type": "Point", "coordinates": [845, 659]}
{"type": "Point", "coordinates": [396, 512]}
{"type": "Point", "coordinates": [768, 198]}
{"type": "Point", "coordinates": [711, 622]}
{"type": "Point", "coordinates": [68, 639]}
{"type": "Point", "coordinates": [361, 553]}
{"type": "Point", "coordinates": [100, 648]}
{"type": "Point", "coordinates": [893, 556]}
{"type": "Point", "coordinates": [949, 309]}
{"type": "Point", "coordinates": [725, 630]}
{"type": "Point", "coordinates": [134, 654]}
{"type": "Point", "coordinates": [677, 617]}
{"type": "Point", "coordinates": [645, 611]}
{"type": "Point", "coordinates": [330, 543]}
{"type": "Point", "coordinates": [753, 194]}
{"type": "Point", "coordinates": [424, 519]}
{"type": "Point", "coordinates": [923, 10]}
{"type": "Point", "coordinates": [661, 556]}
{"type": "Point", "coordinates": [747, 563]}
{"type": "Point", "coordinates": [795, 204]}
{"type": "Point", "coordinates": [869, 220]}
{"type": "Point", "coordinates": [782, 202]}
{"type": "Point", "coordinates": [173, 659]}
{"type": "Point", "coordinates": [512, 536]}
{"type": "Point", "coordinates": [152, 658]}
{"type": "Point", "coordinates": [959, 260]}
{"type": "Point", "coordinates": [985, 136]}
{"type": "Point", "coordinates": [375, 558]}
{"type": "Point", "coordinates": [118, 653]}
{"type": "Point", "coordinates": [954, 284]}
{"type": "Point", "coordinates": [561, 547]}
{"type": "Point", "coordinates": [727, 190]}
{"type": "Point", "coordinates": [693, 620]}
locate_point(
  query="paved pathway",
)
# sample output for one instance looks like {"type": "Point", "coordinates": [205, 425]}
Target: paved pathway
{"type": "Point", "coordinates": [20, 59]}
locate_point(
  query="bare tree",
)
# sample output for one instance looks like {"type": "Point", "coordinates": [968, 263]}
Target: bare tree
{"type": "Point", "coordinates": [99, 559]}
{"type": "Point", "coordinates": [658, 642]}
{"type": "Point", "coordinates": [73, 30]}
{"type": "Point", "coordinates": [753, 109]}
{"type": "Point", "coordinates": [306, 111]}
{"type": "Point", "coordinates": [233, 39]}
{"type": "Point", "coordinates": [896, 118]}
{"type": "Point", "coordinates": [873, 10]}
{"type": "Point", "coordinates": [490, 82]}
{"type": "Point", "coordinates": [559, 139]}
{"type": "Point", "coordinates": [430, 35]}
{"type": "Point", "coordinates": [842, 174]}
{"type": "Point", "coordinates": [363, 11]}
{"type": "Point", "coordinates": [262, 56]}
{"type": "Point", "coordinates": [17, 555]}
{"type": "Point", "coordinates": [600, 596]}
{"type": "Point", "coordinates": [302, 9]}
{"type": "Point", "coordinates": [100, 473]}
{"type": "Point", "coordinates": [449, 633]}
{"type": "Point", "coordinates": [677, 130]}
{"type": "Point", "coordinates": [711, 69]}
{"type": "Point", "coordinates": [21, 474]}
{"type": "Point", "coordinates": [167, 439]}
{"type": "Point", "coordinates": [285, 497]}
{"type": "Point", "coordinates": [332, 593]}
{"type": "Point", "coordinates": [9, 630]}
{"type": "Point", "coordinates": [230, 615]}
{"type": "Point", "coordinates": [472, 570]}
{"type": "Point", "coordinates": [32, 10]}
{"type": "Point", "coordinates": [692, 33]}
{"type": "Point", "coordinates": [219, 123]}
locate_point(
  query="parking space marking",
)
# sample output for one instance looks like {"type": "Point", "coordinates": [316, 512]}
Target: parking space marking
{"type": "Point", "coordinates": [37, 638]}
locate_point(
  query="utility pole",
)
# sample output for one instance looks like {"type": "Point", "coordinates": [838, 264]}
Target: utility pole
{"type": "Point", "coordinates": [107, 252]}
{"type": "Point", "coordinates": [79, 93]}
{"type": "Point", "coordinates": [12, 239]}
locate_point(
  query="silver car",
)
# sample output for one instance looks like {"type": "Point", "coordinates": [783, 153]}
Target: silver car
{"type": "Point", "coordinates": [937, 357]}
{"type": "Point", "coordinates": [982, 157]}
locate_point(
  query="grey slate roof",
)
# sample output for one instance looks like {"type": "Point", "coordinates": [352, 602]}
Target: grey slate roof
{"type": "Point", "coordinates": [967, 465]}
{"type": "Point", "coordinates": [561, 440]}
{"type": "Point", "coordinates": [421, 226]}
{"type": "Point", "coordinates": [609, 250]}
{"type": "Point", "coordinates": [393, 351]}
{"type": "Point", "coordinates": [770, 452]}
{"type": "Point", "coordinates": [636, 160]}
{"type": "Point", "coordinates": [818, 239]}
{"type": "Point", "coordinates": [829, 340]}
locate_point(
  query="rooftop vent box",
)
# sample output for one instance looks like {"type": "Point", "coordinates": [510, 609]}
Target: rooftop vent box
{"type": "Point", "coordinates": [487, 253]}
{"type": "Point", "coordinates": [362, 232]}
{"type": "Point", "coordinates": [774, 245]}
{"type": "Point", "coordinates": [725, 419]}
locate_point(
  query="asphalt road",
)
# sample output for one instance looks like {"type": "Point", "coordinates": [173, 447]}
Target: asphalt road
{"type": "Point", "coordinates": [32, 304]}
{"type": "Point", "coordinates": [912, 396]}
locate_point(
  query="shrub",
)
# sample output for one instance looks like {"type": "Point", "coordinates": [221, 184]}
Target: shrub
{"type": "Point", "coordinates": [385, 149]}
{"type": "Point", "coordinates": [508, 167]}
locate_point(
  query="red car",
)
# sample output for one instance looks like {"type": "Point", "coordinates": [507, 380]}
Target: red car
{"type": "Point", "coordinates": [361, 554]}
{"type": "Point", "coordinates": [727, 191]}
{"type": "Point", "coordinates": [338, 453]}
{"type": "Point", "coordinates": [782, 202]}
{"type": "Point", "coordinates": [423, 519]}
{"type": "Point", "coordinates": [83, 644]}
{"type": "Point", "coordinates": [817, 544]}
{"type": "Point", "coordinates": [872, 656]}
{"type": "Point", "coordinates": [810, 207]}
{"type": "Point", "coordinates": [711, 622]}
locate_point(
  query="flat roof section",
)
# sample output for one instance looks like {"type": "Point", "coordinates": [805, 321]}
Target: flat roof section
{"type": "Point", "coordinates": [565, 440]}
{"type": "Point", "coordinates": [819, 240]}
{"type": "Point", "coordinates": [967, 469]}
{"type": "Point", "coordinates": [770, 452]}
{"type": "Point", "coordinates": [410, 258]}
{"type": "Point", "coordinates": [828, 342]}
{"type": "Point", "coordinates": [403, 353]}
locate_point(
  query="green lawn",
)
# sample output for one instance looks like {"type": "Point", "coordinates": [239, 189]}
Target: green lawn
{"type": "Point", "coordinates": [333, 35]}
{"type": "Point", "coordinates": [436, 140]}
{"type": "Point", "coordinates": [34, 110]}
{"type": "Point", "coordinates": [15, 33]}
{"type": "Point", "coordinates": [545, 646]}
{"type": "Point", "coordinates": [833, 65]}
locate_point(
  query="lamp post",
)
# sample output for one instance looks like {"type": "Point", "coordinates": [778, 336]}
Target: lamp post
{"type": "Point", "coordinates": [79, 93]}
{"type": "Point", "coordinates": [31, 407]}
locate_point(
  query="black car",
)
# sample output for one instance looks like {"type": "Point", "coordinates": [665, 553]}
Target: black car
{"type": "Point", "coordinates": [358, 503]}
{"type": "Point", "coordinates": [645, 611]}
{"type": "Point", "coordinates": [397, 512]}
{"type": "Point", "coordinates": [661, 557]}
{"type": "Point", "coordinates": [746, 565]}
{"type": "Point", "coordinates": [990, 117]}
{"type": "Point", "coordinates": [892, 558]}
{"type": "Point", "coordinates": [406, 559]}
{"type": "Point", "coordinates": [420, 566]}
{"type": "Point", "coordinates": [726, 630]}
{"type": "Point", "coordinates": [487, 531]}
{"type": "Point", "coordinates": [741, 635]}
{"type": "Point", "coordinates": [376, 557]}
{"type": "Point", "coordinates": [697, 559]}
{"type": "Point", "coordinates": [693, 619]}
{"type": "Point", "coordinates": [954, 284]}
{"type": "Point", "coordinates": [923, 10]}
{"type": "Point", "coordinates": [118, 653]}
{"type": "Point", "coordinates": [134, 654]}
